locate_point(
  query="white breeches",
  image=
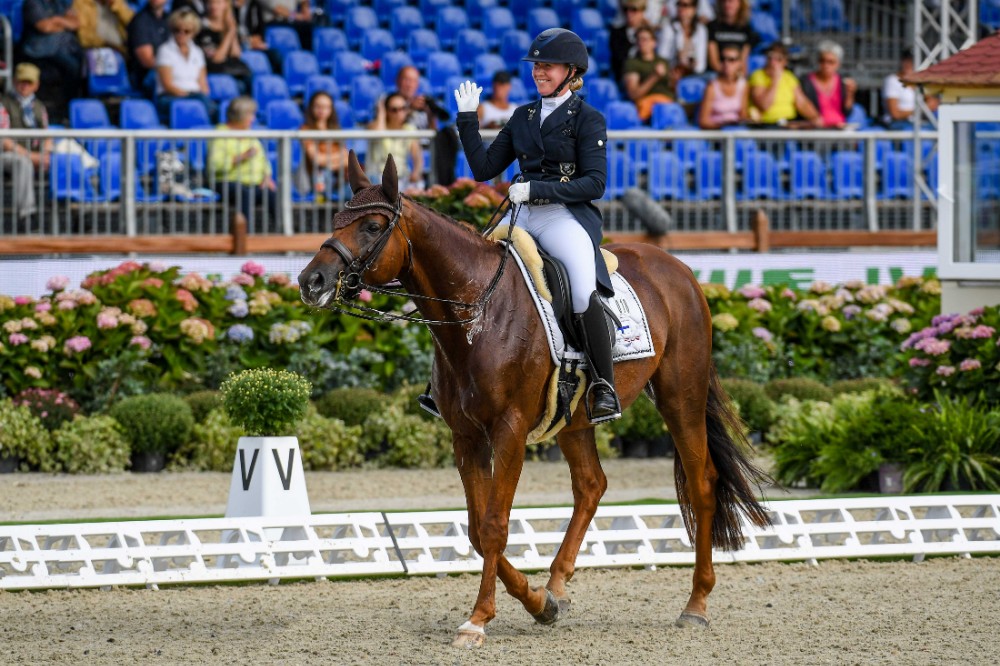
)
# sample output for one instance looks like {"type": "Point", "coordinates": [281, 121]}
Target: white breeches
{"type": "Point", "coordinates": [560, 234]}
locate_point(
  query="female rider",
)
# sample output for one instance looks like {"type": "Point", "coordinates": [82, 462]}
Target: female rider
{"type": "Point", "coordinates": [560, 144]}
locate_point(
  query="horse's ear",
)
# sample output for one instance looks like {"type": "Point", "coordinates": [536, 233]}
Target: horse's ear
{"type": "Point", "coordinates": [390, 181]}
{"type": "Point", "coordinates": [355, 174]}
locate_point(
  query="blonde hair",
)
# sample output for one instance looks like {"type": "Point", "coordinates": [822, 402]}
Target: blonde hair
{"type": "Point", "coordinates": [184, 18]}
{"type": "Point", "coordinates": [575, 83]}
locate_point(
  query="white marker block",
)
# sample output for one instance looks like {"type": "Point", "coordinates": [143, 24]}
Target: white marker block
{"type": "Point", "coordinates": [268, 479]}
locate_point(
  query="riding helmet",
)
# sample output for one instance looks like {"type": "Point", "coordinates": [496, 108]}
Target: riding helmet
{"type": "Point", "coordinates": [559, 46]}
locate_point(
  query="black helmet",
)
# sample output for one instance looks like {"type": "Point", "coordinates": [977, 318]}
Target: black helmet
{"type": "Point", "coordinates": [559, 46]}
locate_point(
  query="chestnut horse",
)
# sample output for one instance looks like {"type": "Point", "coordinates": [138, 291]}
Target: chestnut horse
{"type": "Point", "coordinates": [491, 368]}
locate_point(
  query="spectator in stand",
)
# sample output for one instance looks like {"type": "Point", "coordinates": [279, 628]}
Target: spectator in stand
{"type": "Point", "coordinates": [726, 98]}
{"type": "Point", "coordinates": [900, 100]}
{"type": "Point", "coordinates": [426, 113]}
{"type": "Point", "coordinates": [775, 94]}
{"type": "Point", "coordinates": [103, 23]}
{"type": "Point", "coordinates": [497, 110]}
{"type": "Point", "coordinates": [660, 12]}
{"type": "Point", "coordinates": [683, 42]}
{"type": "Point", "coordinates": [294, 13]}
{"type": "Point", "coordinates": [219, 40]}
{"type": "Point", "coordinates": [731, 28]}
{"type": "Point", "coordinates": [180, 66]}
{"type": "Point", "coordinates": [22, 110]}
{"type": "Point", "coordinates": [241, 171]}
{"type": "Point", "coordinates": [622, 40]}
{"type": "Point", "coordinates": [50, 42]}
{"type": "Point", "coordinates": [647, 76]}
{"type": "Point", "coordinates": [322, 159]}
{"type": "Point", "coordinates": [829, 92]}
{"type": "Point", "coordinates": [250, 25]}
{"type": "Point", "coordinates": [146, 33]}
{"type": "Point", "coordinates": [394, 117]}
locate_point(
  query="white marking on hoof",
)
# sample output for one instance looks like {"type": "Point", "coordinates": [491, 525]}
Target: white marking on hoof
{"type": "Point", "coordinates": [470, 636]}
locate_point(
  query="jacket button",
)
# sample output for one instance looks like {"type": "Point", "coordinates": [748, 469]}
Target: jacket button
{"type": "Point", "coordinates": [523, 156]}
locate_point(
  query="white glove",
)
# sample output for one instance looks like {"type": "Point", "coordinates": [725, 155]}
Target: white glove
{"type": "Point", "coordinates": [467, 96]}
{"type": "Point", "coordinates": [519, 192]}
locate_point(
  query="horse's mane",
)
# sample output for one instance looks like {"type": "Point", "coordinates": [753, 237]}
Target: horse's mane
{"type": "Point", "coordinates": [463, 226]}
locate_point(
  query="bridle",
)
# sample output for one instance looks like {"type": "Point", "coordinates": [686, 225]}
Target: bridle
{"type": "Point", "coordinates": [350, 281]}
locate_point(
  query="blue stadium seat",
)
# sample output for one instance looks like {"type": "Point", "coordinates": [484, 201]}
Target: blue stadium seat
{"type": "Point", "coordinates": [497, 21]}
{"type": "Point", "coordinates": [385, 7]}
{"type": "Point", "coordinates": [327, 84]}
{"type": "Point", "coordinates": [429, 8]}
{"type": "Point", "coordinates": [357, 22]}
{"type": "Point", "coordinates": [68, 181]}
{"type": "Point", "coordinates": [14, 11]}
{"type": "Point", "coordinates": [766, 27]}
{"type": "Point", "coordinates": [756, 61]}
{"type": "Point", "coordinates": [828, 16]}
{"type": "Point", "coordinates": [257, 62]}
{"type": "Point", "coordinates": [487, 64]}
{"type": "Point", "coordinates": [344, 113]}
{"type": "Point", "coordinates": [708, 175]}
{"type": "Point", "coordinates": [188, 114]}
{"type": "Point", "coordinates": [266, 88]}
{"type": "Point", "coordinates": [848, 175]}
{"type": "Point", "coordinates": [858, 117]}
{"type": "Point", "coordinates": [376, 43]}
{"type": "Point", "coordinates": [669, 116]}
{"type": "Point", "coordinates": [282, 38]}
{"type": "Point", "coordinates": [476, 9]}
{"type": "Point", "coordinates": [666, 177]}
{"type": "Point", "coordinates": [337, 10]}
{"type": "Point", "coordinates": [761, 179]}
{"type": "Point", "coordinates": [423, 42]}
{"type": "Point", "coordinates": [450, 21]}
{"type": "Point", "coordinates": [402, 21]}
{"type": "Point", "coordinates": [116, 84]}
{"type": "Point", "coordinates": [589, 25]}
{"type": "Point", "coordinates": [346, 66]}
{"type": "Point", "coordinates": [622, 116]}
{"type": "Point", "coordinates": [141, 114]}
{"type": "Point", "coordinates": [392, 62]}
{"type": "Point", "coordinates": [621, 175]}
{"type": "Point", "coordinates": [897, 176]}
{"type": "Point", "coordinates": [326, 43]}
{"type": "Point", "coordinates": [469, 44]}
{"type": "Point", "coordinates": [440, 67]}
{"type": "Point", "coordinates": [520, 9]}
{"type": "Point", "coordinates": [518, 92]}
{"type": "Point", "coordinates": [542, 18]}
{"type": "Point", "coordinates": [110, 177]}
{"type": "Point", "coordinates": [688, 151]}
{"type": "Point", "coordinates": [598, 91]}
{"type": "Point", "coordinates": [88, 114]}
{"type": "Point", "coordinates": [298, 67]}
{"type": "Point", "coordinates": [569, 7]}
{"type": "Point", "coordinates": [808, 175]}
{"type": "Point", "coordinates": [365, 93]}
{"type": "Point", "coordinates": [514, 45]}
{"type": "Point", "coordinates": [222, 87]}
{"type": "Point", "coordinates": [690, 90]}
{"type": "Point", "coordinates": [284, 114]}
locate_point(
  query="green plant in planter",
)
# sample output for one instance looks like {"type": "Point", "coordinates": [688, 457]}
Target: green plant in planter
{"type": "Point", "coordinates": [158, 423]}
{"type": "Point", "coordinates": [91, 445]}
{"type": "Point", "coordinates": [23, 437]}
{"type": "Point", "coordinates": [959, 448]}
{"type": "Point", "coordinates": [266, 402]}
{"type": "Point", "coordinates": [800, 388]}
{"type": "Point", "coordinates": [640, 425]}
{"type": "Point", "coordinates": [756, 409]}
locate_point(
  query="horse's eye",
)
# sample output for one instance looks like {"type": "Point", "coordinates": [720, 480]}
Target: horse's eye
{"type": "Point", "coordinates": [372, 227]}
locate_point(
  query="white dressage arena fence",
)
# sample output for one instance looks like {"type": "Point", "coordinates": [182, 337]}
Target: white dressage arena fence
{"type": "Point", "coordinates": [211, 550]}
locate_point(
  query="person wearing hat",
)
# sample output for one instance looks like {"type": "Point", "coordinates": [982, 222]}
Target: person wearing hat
{"type": "Point", "coordinates": [22, 110]}
{"type": "Point", "coordinates": [622, 39]}
{"type": "Point", "coordinates": [560, 144]}
{"type": "Point", "coordinates": [497, 110]}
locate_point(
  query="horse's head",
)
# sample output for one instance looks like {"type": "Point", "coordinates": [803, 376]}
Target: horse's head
{"type": "Point", "coordinates": [363, 248]}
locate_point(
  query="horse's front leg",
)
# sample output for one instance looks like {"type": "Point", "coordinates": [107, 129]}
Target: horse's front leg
{"type": "Point", "coordinates": [489, 491]}
{"type": "Point", "coordinates": [589, 484]}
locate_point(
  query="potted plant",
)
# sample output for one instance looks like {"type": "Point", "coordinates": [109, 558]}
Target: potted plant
{"type": "Point", "coordinates": [268, 477]}
{"type": "Point", "coordinates": [641, 431]}
{"type": "Point", "coordinates": [23, 438]}
{"type": "Point", "coordinates": [156, 425]}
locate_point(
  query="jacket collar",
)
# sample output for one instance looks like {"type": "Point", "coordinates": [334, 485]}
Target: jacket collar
{"type": "Point", "coordinates": [561, 115]}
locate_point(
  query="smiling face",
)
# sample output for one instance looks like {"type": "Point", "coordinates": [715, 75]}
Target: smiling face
{"type": "Point", "coordinates": [548, 76]}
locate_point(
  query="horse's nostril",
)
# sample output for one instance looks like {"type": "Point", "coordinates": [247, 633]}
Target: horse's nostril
{"type": "Point", "coordinates": [316, 281]}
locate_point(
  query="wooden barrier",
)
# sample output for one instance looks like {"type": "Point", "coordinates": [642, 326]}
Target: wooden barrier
{"type": "Point", "coordinates": [239, 242]}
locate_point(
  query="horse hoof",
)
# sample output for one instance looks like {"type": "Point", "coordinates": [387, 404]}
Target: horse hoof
{"type": "Point", "coordinates": [469, 636]}
{"type": "Point", "coordinates": [550, 613]}
{"type": "Point", "coordinates": [692, 620]}
{"type": "Point", "coordinates": [564, 605]}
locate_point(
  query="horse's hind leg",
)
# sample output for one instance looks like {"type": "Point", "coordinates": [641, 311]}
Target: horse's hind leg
{"type": "Point", "coordinates": [684, 413]}
{"type": "Point", "coordinates": [589, 484]}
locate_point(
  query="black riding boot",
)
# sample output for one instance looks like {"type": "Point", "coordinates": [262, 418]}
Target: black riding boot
{"type": "Point", "coordinates": [598, 340]}
{"type": "Point", "coordinates": [427, 403]}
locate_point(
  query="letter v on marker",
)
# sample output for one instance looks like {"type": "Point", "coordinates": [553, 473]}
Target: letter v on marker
{"type": "Point", "coordinates": [284, 473]}
{"type": "Point", "coordinates": [247, 475]}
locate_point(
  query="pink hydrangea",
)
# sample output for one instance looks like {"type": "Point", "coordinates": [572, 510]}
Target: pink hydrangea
{"type": "Point", "coordinates": [243, 280]}
{"type": "Point", "coordinates": [763, 334]}
{"type": "Point", "coordinates": [933, 346]}
{"type": "Point", "coordinates": [919, 362]}
{"type": "Point", "coordinates": [946, 370]}
{"type": "Point", "coordinates": [969, 364]}
{"type": "Point", "coordinates": [153, 282]}
{"type": "Point", "coordinates": [23, 300]}
{"type": "Point", "coordinates": [788, 293]}
{"type": "Point", "coordinates": [141, 341]}
{"type": "Point", "coordinates": [108, 318]}
{"type": "Point", "coordinates": [252, 268]}
{"type": "Point", "coordinates": [751, 291]}
{"type": "Point", "coordinates": [43, 306]}
{"type": "Point", "coordinates": [187, 300]}
{"type": "Point", "coordinates": [16, 339]}
{"type": "Point", "coordinates": [980, 332]}
{"type": "Point", "coordinates": [279, 280]}
{"type": "Point", "coordinates": [67, 305]}
{"type": "Point", "coordinates": [759, 304]}
{"type": "Point", "coordinates": [75, 345]}
{"type": "Point", "coordinates": [57, 283]}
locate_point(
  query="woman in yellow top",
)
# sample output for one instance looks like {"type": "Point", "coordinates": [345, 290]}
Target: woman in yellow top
{"type": "Point", "coordinates": [241, 170]}
{"type": "Point", "coordinates": [775, 94]}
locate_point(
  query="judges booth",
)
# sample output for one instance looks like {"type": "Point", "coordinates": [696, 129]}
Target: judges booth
{"type": "Point", "coordinates": [967, 174]}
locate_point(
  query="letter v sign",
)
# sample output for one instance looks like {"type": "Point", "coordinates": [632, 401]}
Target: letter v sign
{"type": "Point", "coordinates": [248, 475]}
{"type": "Point", "coordinates": [284, 472]}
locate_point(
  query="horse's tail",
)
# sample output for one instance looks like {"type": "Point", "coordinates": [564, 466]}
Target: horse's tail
{"type": "Point", "coordinates": [734, 495]}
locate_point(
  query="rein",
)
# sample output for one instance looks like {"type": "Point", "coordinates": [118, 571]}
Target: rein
{"type": "Point", "coordinates": [349, 285]}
